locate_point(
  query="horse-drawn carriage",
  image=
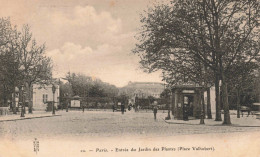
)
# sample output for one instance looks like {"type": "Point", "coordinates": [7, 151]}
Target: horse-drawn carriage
{"type": "Point", "coordinates": [255, 107]}
{"type": "Point", "coordinates": [246, 109]}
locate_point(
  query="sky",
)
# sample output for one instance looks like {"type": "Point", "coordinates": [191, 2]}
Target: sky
{"type": "Point", "coordinates": [92, 37]}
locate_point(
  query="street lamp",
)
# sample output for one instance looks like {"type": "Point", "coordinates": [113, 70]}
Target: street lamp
{"type": "Point", "coordinates": [67, 102]}
{"type": "Point", "coordinates": [53, 91]}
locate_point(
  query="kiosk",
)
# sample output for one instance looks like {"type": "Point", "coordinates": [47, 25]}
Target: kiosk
{"type": "Point", "coordinates": [187, 101]}
{"type": "Point", "coordinates": [75, 102]}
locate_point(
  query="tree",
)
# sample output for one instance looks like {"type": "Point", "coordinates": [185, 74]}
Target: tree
{"type": "Point", "coordinates": [165, 93]}
{"type": "Point", "coordinates": [242, 80]}
{"type": "Point", "coordinates": [23, 61]}
{"type": "Point", "coordinates": [83, 86]}
{"type": "Point", "coordinates": [215, 33]}
{"type": "Point", "coordinates": [8, 60]}
{"type": "Point", "coordinates": [35, 66]}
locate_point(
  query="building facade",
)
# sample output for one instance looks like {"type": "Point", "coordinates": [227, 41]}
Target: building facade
{"type": "Point", "coordinates": [142, 90]}
{"type": "Point", "coordinates": [44, 94]}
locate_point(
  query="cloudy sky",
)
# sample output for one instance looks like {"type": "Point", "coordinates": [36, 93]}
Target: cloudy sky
{"type": "Point", "coordinates": [93, 37]}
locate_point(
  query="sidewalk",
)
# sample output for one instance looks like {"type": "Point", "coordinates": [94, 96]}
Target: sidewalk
{"type": "Point", "coordinates": [35, 114]}
{"type": "Point", "coordinates": [244, 121]}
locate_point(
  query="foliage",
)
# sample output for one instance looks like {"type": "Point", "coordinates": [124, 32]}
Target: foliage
{"type": "Point", "coordinates": [22, 60]}
{"type": "Point", "coordinates": [198, 38]}
{"type": "Point", "coordinates": [86, 86]}
{"type": "Point", "coordinates": [166, 93]}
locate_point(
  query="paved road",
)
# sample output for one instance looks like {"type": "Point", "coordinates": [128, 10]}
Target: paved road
{"type": "Point", "coordinates": [77, 124]}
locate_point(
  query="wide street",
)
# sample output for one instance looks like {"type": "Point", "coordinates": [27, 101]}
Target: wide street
{"type": "Point", "coordinates": [76, 124]}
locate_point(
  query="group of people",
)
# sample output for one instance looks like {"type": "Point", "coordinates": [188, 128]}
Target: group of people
{"type": "Point", "coordinates": [130, 106]}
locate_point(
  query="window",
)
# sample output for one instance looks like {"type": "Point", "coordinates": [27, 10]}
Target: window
{"type": "Point", "coordinates": [44, 98]}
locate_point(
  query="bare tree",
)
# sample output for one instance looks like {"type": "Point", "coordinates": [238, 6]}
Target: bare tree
{"type": "Point", "coordinates": [34, 65]}
{"type": "Point", "coordinates": [23, 61]}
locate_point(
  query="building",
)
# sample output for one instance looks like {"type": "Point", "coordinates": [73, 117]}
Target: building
{"type": "Point", "coordinates": [42, 94]}
{"type": "Point", "coordinates": [142, 90]}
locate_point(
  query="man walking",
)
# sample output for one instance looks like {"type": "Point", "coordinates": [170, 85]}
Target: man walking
{"type": "Point", "coordinates": [155, 108]}
{"type": "Point", "coordinates": [122, 108]}
{"type": "Point", "coordinates": [83, 107]}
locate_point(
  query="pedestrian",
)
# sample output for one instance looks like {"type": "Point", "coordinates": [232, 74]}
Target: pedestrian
{"type": "Point", "coordinates": [122, 108]}
{"type": "Point", "coordinates": [185, 112]}
{"type": "Point", "coordinates": [129, 107]}
{"type": "Point", "coordinates": [67, 107]}
{"type": "Point", "coordinates": [155, 108]}
{"type": "Point", "coordinates": [113, 108]}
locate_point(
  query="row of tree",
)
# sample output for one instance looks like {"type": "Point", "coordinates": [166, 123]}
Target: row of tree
{"type": "Point", "coordinates": [86, 86]}
{"type": "Point", "coordinates": [22, 61]}
{"type": "Point", "coordinates": [203, 41]}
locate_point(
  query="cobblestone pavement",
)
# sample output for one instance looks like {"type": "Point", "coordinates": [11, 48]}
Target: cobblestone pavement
{"type": "Point", "coordinates": [77, 124]}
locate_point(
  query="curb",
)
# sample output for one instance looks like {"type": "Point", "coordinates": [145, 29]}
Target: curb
{"type": "Point", "coordinates": [232, 125]}
{"type": "Point", "coordinates": [28, 118]}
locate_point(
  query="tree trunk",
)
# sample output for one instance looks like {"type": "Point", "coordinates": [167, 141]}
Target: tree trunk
{"type": "Point", "coordinates": [29, 91]}
{"type": "Point", "coordinates": [209, 115]}
{"type": "Point", "coordinates": [3, 95]}
{"type": "Point", "coordinates": [238, 103]}
{"type": "Point", "coordinates": [13, 104]}
{"type": "Point", "coordinates": [218, 112]}
{"type": "Point", "coordinates": [173, 103]}
{"type": "Point", "coordinates": [203, 104]}
{"type": "Point", "coordinates": [201, 107]}
{"type": "Point", "coordinates": [227, 120]}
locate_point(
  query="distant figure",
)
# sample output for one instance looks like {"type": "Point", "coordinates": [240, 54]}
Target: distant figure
{"type": "Point", "coordinates": [113, 108]}
{"type": "Point", "coordinates": [155, 108]}
{"type": "Point", "coordinates": [129, 107]}
{"type": "Point", "coordinates": [134, 107]}
{"type": "Point", "coordinates": [83, 107]}
{"type": "Point", "coordinates": [67, 107]}
{"type": "Point", "coordinates": [11, 106]}
{"type": "Point", "coordinates": [122, 108]}
{"type": "Point", "coordinates": [185, 112]}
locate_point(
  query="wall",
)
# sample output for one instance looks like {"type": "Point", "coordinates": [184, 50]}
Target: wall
{"type": "Point", "coordinates": [38, 92]}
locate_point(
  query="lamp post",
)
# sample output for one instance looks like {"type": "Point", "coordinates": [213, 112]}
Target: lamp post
{"type": "Point", "coordinates": [53, 91]}
{"type": "Point", "coordinates": [67, 102]}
